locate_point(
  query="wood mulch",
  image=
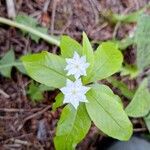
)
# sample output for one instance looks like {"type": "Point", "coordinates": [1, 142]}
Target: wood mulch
{"type": "Point", "coordinates": [24, 125]}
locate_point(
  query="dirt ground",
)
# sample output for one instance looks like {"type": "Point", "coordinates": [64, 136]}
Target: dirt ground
{"type": "Point", "coordinates": [21, 121]}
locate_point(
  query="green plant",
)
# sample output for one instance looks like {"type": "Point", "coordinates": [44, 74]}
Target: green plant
{"type": "Point", "coordinates": [129, 70]}
{"type": "Point", "coordinates": [103, 106]}
{"type": "Point", "coordinates": [142, 41]}
{"type": "Point", "coordinates": [35, 91]}
{"type": "Point", "coordinates": [122, 87]}
{"type": "Point", "coordinates": [31, 30]}
{"type": "Point", "coordinates": [123, 18]}
{"type": "Point", "coordinates": [30, 22]}
{"type": "Point", "coordinates": [140, 104]}
{"type": "Point", "coordinates": [7, 62]}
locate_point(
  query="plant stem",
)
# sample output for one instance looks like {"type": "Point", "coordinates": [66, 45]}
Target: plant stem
{"type": "Point", "coordinates": [46, 37]}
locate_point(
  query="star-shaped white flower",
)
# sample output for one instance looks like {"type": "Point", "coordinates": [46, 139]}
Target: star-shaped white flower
{"type": "Point", "coordinates": [77, 65]}
{"type": "Point", "coordinates": [74, 92]}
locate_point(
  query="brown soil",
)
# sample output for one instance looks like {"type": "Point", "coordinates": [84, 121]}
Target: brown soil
{"type": "Point", "coordinates": [21, 121]}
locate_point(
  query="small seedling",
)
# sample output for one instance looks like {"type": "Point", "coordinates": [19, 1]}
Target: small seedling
{"type": "Point", "coordinates": [35, 91]}
{"type": "Point", "coordinates": [33, 23]}
{"type": "Point", "coordinates": [7, 62]}
{"type": "Point", "coordinates": [140, 104]}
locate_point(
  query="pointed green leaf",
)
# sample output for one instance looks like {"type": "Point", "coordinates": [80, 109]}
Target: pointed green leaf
{"type": "Point", "coordinates": [43, 88]}
{"type": "Point", "coordinates": [72, 127]}
{"type": "Point", "coordinates": [58, 101]}
{"type": "Point", "coordinates": [20, 67]}
{"type": "Point", "coordinates": [46, 68]}
{"type": "Point", "coordinates": [35, 91]}
{"type": "Point", "coordinates": [142, 40]}
{"type": "Point", "coordinates": [68, 46]}
{"type": "Point", "coordinates": [9, 58]}
{"type": "Point", "coordinates": [122, 87]}
{"type": "Point", "coordinates": [88, 52]}
{"type": "Point", "coordinates": [108, 60]}
{"type": "Point", "coordinates": [129, 70]}
{"type": "Point", "coordinates": [140, 104]}
{"type": "Point", "coordinates": [7, 62]}
{"type": "Point", "coordinates": [107, 113]}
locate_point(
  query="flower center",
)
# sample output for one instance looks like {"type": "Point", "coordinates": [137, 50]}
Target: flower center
{"type": "Point", "coordinates": [74, 92]}
{"type": "Point", "coordinates": [77, 66]}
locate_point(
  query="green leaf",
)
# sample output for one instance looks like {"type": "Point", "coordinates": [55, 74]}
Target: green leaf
{"type": "Point", "coordinates": [88, 52]}
{"type": "Point", "coordinates": [8, 62]}
{"type": "Point", "coordinates": [58, 101]}
{"type": "Point", "coordinates": [130, 70]}
{"type": "Point", "coordinates": [69, 46]}
{"type": "Point", "coordinates": [122, 87]}
{"type": "Point", "coordinates": [20, 67]}
{"type": "Point", "coordinates": [140, 104]}
{"type": "Point", "coordinates": [125, 43]}
{"type": "Point", "coordinates": [43, 88]}
{"type": "Point", "coordinates": [31, 22]}
{"type": "Point", "coordinates": [142, 40]}
{"type": "Point", "coordinates": [147, 121]}
{"type": "Point", "coordinates": [27, 20]}
{"type": "Point", "coordinates": [128, 18]}
{"type": "Point", "coordinates": [46, 68]}
{"type": "Point", "coordinates": [35, 91]}
{"type": "Point", "coordinates": [72, 127]}
{"type": "Point", "coordinates": [9, 58]}
{"type": "Point", "coordinates": [107, 113]}
{"type": "Point", "coordinates": [108, 60]}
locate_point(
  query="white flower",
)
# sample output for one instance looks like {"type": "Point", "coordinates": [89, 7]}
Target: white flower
{"type": "Point", "coordinates": [74, 92]}
{"type": "Point", "coordinates": [77, 65]}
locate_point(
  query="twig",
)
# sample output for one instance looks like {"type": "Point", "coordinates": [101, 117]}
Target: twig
{"type": "Point", "coordinates": [95, 11]}
{"type": "Point", "coordinates": [12, 146]}
{"type": "Point", "coordinates": [17, 137]}
{"type": "Point", "coordinates": [45, 8]}
{"type": "Point", "coordinates": [116, 30]}
{"type": "Point", "coordinates": [4, 94]}
{"type": "Point", "coordinates": [101, 27]}
{"type": "Point", "coordinates": [45, 37]}
{"type": "Point", "coordinates": [96, 3]}
{"type": "Point", "coordinates": [33, 116]}
{"type": "Point", "coordinates": [53, 16]}
{"type": "Point", "coordinates": [9, 110]}
{"type": "Point", "coordinates": [37, 114]}
{"type": "Point", "coordinates": [11, 8]}
{"type": "Point", "coordinates": [21, 142]}
{"type": "Point", "coordinates": [140, 130]}
{"type": "Point", "coordinates": [6, 118]}
{"type": "Point", "coordinates": [14, 110]}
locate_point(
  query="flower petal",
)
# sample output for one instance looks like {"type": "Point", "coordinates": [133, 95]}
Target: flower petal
{"type": "Point", "coordinates": [76, 56]}
{"type": "Point", "coordinates": [75, 103]}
